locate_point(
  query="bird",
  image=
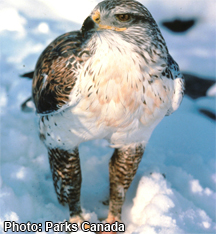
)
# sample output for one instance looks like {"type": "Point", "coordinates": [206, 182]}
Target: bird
{"type": "Point", "coordinates": [113, 79]}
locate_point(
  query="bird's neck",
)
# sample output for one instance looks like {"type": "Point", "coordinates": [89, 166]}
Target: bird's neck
{"type": "Point", "coordinates": [112, 58]}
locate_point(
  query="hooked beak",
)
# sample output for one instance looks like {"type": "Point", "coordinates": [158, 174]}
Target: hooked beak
{"type": "Point", "coordinates": [94, 23]}
{"type": "Point", "coordinates": [88, 25]}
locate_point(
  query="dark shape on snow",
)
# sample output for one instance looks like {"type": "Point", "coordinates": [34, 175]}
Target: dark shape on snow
{"type": "Point", "coordinates": [208, 113]}
{"type": "Point", "coordinates": [106, 202]}
{"type": "Point", "coordinates": [179, 25]}
{"type": "Point", "coordinates": [28, 75]}
{"type": "Point", "coordinates": [196, 87]}
{"type": "Point", "coordinates": [25, 107]}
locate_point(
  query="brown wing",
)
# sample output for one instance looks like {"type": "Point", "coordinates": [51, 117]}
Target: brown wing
{"type": "Point", "coordinates": [55, 73]}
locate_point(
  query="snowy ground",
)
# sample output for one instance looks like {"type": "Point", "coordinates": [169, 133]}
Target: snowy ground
{"type": "Point", "coordinates": [182, 146]}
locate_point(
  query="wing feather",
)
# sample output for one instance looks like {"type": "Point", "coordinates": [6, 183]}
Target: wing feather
{"type": "Point", "coordinates": [55, 74]}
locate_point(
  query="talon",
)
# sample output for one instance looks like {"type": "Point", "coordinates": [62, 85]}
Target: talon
{"type": "Point", "coordinates": [111, 221]}
{"type": "Point", "coordinates": [86, 226]}
{"type": "Point", "coordinates": [76, 219]}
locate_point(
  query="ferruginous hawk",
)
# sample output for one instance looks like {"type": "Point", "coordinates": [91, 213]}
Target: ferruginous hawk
{"type": "Point", "coordinates": [115, 80]}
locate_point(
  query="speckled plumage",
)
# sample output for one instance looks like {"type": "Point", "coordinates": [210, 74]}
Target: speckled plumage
{"type": "Point", "coordinates": [113, 79]}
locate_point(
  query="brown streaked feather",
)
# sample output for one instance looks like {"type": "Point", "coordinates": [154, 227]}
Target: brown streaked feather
{"type": "Point", "coordinates": [55, 73]}
{"type": "Point", "coordinates": [122, 169]}
{"type": "Point", "coordinates": [66, 173]}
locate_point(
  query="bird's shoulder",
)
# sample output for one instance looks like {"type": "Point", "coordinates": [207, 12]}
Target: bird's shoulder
{"type": "Point", "coordinates": [172, 72]}
{"type": "Point", "coordinates": [56, 73]}
{"type": "Point", "coordinates": [173, 67]}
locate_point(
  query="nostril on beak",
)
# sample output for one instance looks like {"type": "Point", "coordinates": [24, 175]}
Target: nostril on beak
{"type": "Point", "coordinates": [97, 20]}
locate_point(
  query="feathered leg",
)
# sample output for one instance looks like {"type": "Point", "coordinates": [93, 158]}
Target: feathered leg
{"type": "Point", "coordinates": [122, 169]}
{"type": "Point", "coordinates": [66, 173]}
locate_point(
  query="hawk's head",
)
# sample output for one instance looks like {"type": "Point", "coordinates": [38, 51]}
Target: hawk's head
{"type": "Point", "coordinates": [127, 18]}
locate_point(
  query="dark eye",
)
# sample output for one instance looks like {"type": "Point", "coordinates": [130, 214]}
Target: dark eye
{"type": "Point", "coordinates": [123, 17]}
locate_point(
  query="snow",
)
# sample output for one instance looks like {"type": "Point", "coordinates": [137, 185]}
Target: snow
{"type": "Point", "coordinates": [174, 189]}
{"type": "Point", "coordinates": [211, 91]}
